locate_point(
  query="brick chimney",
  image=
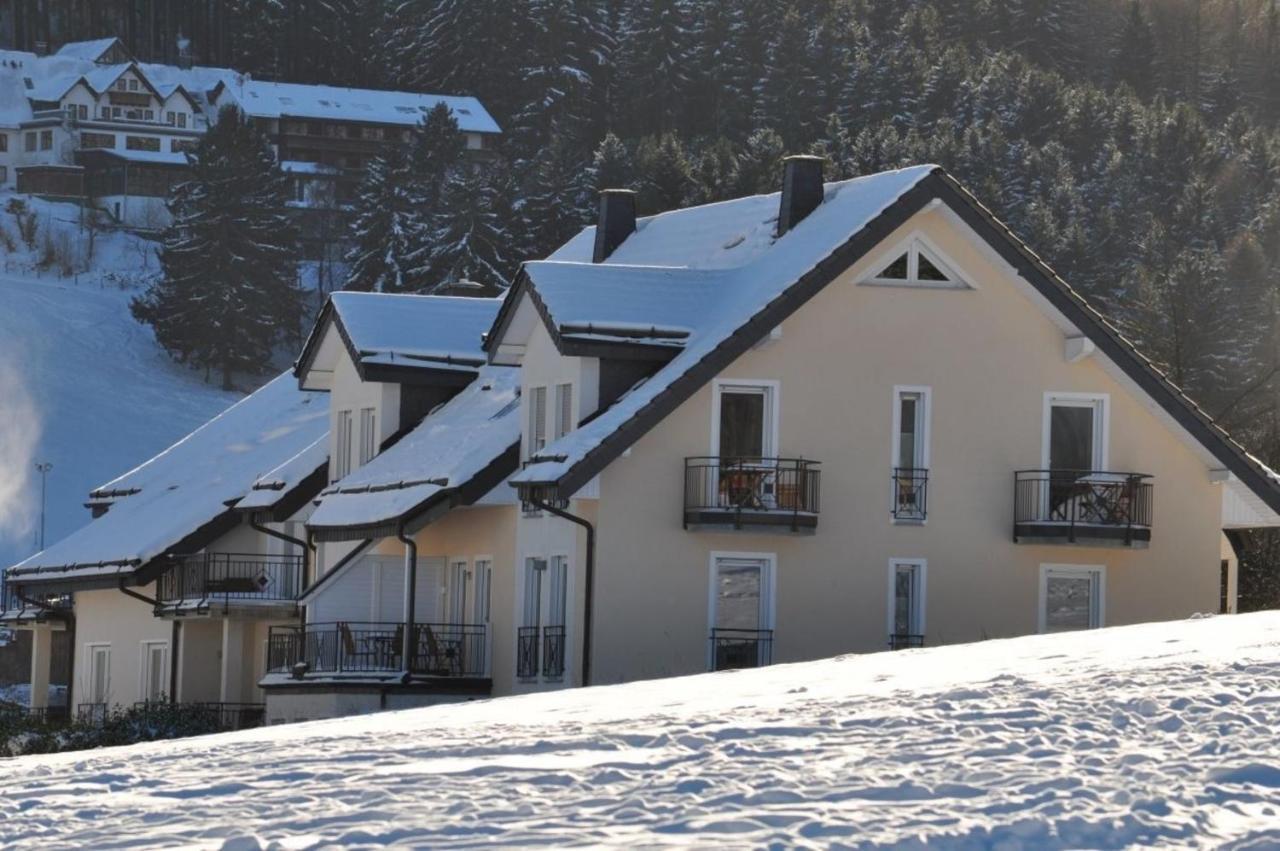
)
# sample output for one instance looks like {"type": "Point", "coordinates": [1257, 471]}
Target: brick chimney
{"type": "Point", "coordinates": [801, 190]}
{"type": "Point", "coordinates": [617, 222]}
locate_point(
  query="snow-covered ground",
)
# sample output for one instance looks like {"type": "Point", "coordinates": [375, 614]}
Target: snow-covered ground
{"type": "Point", "coordinates": [82, 385]}
{"type": "Point", "coordinates": [1155, 735]}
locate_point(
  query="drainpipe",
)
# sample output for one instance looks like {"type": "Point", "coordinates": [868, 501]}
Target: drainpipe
{"type": "Point", "coordinates": [174, 652]}
{"type": "Point", "coordinates": [410, 591]}
{"type": "Point", "coordinates": [289, 539]}
{"type": "Point", "coordinates": [155, 604]}
{"type": "Point", "coordinates": [590, 583]}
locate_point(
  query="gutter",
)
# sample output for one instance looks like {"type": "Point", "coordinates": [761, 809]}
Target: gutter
{"type": "Point", "coordinates": [410, 592]}
{"type": "Point", "coordinates": [155, 604]}
{"type": "Point", "coordinates": [590, 583]}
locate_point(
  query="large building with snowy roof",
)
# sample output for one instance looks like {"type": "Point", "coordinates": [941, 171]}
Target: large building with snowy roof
{"type": "Point", "coordinates": [89, 122]}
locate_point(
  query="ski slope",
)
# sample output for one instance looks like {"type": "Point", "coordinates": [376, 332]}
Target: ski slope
{"type": "Point", "coordinates": [1153, 735]}
{"type": "Point", "coordinates": [86, 388]}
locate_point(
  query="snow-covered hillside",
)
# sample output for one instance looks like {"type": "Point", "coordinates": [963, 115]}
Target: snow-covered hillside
{"type": "Point", "coordinates": [82, 385]}
{"type": "Point", "coordinates": [1164, 734]}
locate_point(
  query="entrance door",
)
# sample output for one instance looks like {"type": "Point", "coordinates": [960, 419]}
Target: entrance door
{"type": "Point", "coordinates": [543, 634]}
{"type": "Point", "coordinates": [1075, 449]}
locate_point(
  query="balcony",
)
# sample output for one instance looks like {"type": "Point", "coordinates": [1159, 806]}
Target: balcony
{"type": "Point", "coordinates": [1095, 507]}
{"type": "Point", "coordinates": [347, 649]}
{"type": "Point", "coordinates": [545, 656]}
{"type": "Point", "coordinates": [732, 649]}
{"type": "Point", "coordinates": [201, 582]}
{"type": "Point", "coordinates": [910, 495]}
{"type": "Point", "coordinates": [31, 608]}
{"type": "Point", "coordinates": [769, 493]}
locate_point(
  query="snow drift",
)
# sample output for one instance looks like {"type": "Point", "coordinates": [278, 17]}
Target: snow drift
{"type": "Point", "coordinates": [1161, 734]}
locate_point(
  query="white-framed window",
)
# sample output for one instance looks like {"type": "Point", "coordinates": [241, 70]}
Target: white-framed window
{"type": "Point", "coordinates": [1072, 596]}
{"type": "Point", "coordinates": [1076, 429]}
{"type": "Point", "coordinates": [537, 419]}
{"type": "Point", "coordinates": [342, 449]}
{"type": "Point", "coordinates": [740, 610]}
{"type": "Point", "coordinates": [368, 435]}
{"type": "Point", "coordinates": [912, 411]}
{"type": "Point", "coordinates": [917, 262]}
{"type": "Point", "coordinates": [459, 591]}
{"type": "Point", "coordinates": [482, 588]}
{"type": "Point", "coordinates": [4, 173]}
{"type": "Point", "coordinates": [170, 117]}
{"type": "Point", "coordinates": [744, 419]}
{"type": "Point", "coordinates": [564, 410]}
{"type": "Point", "coordinates": [182, 119]}
{"type": "Point", "coordinates": [543, 637]}
{"type": "Point", "coordinates": [153, 675]}
{"type": "Point", "coordinates": [98, 669]}
{"type": "Point", "coordinates": [82, 111]}
{"type": "Point", "coordinates": [907, 581]}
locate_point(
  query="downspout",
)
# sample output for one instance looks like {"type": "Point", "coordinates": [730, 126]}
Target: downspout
{"type": "Point", "coordinates": [289, 539]}
{"type": "Point", "coordinates": [590, 580]}
{"type": "Point", "coordinates": [173, 662]}
{"type": "Point", "coordinates": [410, 591]}
{"type": "Point", "coordinates": [155, 604]}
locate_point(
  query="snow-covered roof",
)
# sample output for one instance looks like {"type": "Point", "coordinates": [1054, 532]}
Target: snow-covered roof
{"type": "Point", "coordinates": [175, 158]}
{"type": "Point", "coordinates": [262, 99]}
{"type": "Point", "coordinates": [731, 265]}
{"type": "Point", "coordinates": [89, 50]}
{"type": "Point", "coordinates": [445, 452]}
{"type": "Point", "coordinates": [273, 487]}
{"type": "Point", "coordinates": [163, 502]}
{"type": "Point", "coordinates": [443, 334]}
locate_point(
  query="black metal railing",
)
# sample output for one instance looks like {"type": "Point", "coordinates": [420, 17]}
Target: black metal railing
{"type": "Point", "coordinates": [741, 648]}
{"type": "Point", "coordinates": [910, 493]}
{"type": "Point", "coordinates": [527, 652]}
{"type": "Point", "coordinates": [43, 715]}
{"type": "Point", "coordinates": [903, 641]}
{"type": "Point", "coordinates": [232, 577]}
{"type": "Point", "coordinates": [92, 713]}
{"type": "Point", "coordinates": [745, 488]}
{"type": "Point", "coordinates": [438, 649]}
{"type": "Point", "coordinates": [553, 650]}
{"type": "Point", "coordinates": [210, 714]}
{"type": "Point", "coordinates": [1060, 503]}
{"type": "Point", "coordinates": [34, 606]}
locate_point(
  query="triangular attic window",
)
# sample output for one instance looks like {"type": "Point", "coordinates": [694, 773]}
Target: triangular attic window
{"type": "Point", "coordinates": [898, 270]}
{"type": "Point", "coordinates": [926, 271]}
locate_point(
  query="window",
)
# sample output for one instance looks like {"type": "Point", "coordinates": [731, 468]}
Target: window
{"type": "Point", "coordinates": [543, 636]}
{"type": "Point", "coordinates": [182, 145]}
{"type": "Point", "coordinates": [741, 613]}
{"type": "Point", "coordinates": [564, 410]}
{"type": "Point", "coordinates": [133, 85]}
{"type": "Point", "coordinates": [121, 85]}
{"type": "Point", "coordinates": [342, 449]}
{"type": "Point", "coordinates": [142, 143]}
{"type": "Point", "coordinates": [182, 119]}
{"type": "Point", "coordinates": [170, 118]}
{"type": "Point", "coordinates": [910, 453]}
{"type": "Point", "coordinates": [4, 173]}
{"type": "Point", "coordinates": [368, 435]}
{"type": "Point", "coordinates": [537, 420]}
{"type": "Point", "coordinates": [459, 579]}
{"type": "Point", "coordinates": [153, 679]}
{"type": "Point", "coordinates": [97, 140]}
{"type": "Point", "coordinates": [4, 143]}
{"type": "Point", "coordinates": [906, 603]}
{"type": "Point", "coordinates": [82, 112]}
{"type": "Point", "coordinates": [46, 140]}
{"type": "Point", "coordinates": [745, 424]}
{"type": "Point", "coordinates": [1075, 437]}
{"type": "Point", "coordinates": [1071, 597]}
{"type": "Point", "coordinates": [919, 263]}
{"type": "Point", "coordinates": [149, 114]}
{"type": "Point", "coordinates": [29, 142]}
{"type": "Point", "coordinates": [482, 580]}
{"type": "Point", "coordinates": [99, 670]}
{"type": "Point", "coordinates": [116, 112]}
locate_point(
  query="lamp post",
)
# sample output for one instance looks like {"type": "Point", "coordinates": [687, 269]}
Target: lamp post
{"type": "Point", "coordinates": [44, 467]}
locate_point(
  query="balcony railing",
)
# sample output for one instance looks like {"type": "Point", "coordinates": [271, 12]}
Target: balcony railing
{"type": "Point", "coordinates": [540, 650]}
{"type": "Point", "coordinates": [741, 492]}
{"type": "Point", "coordinates": [553, 648]}
{"type": "Point", "coordinates": [34, 608]}
{"type": "Point", "coordinates": [227, 578]}
{"type": "Point", "coordinates": [910, 494]}
{"type": "Point", "coordinates": [741, 648]}
{"type": "Point", "coordinates": [439, 649]}
{"type": "Point", "coordinates": [1082, 506]}
{"type": "Point", "coordinates": [904, 641]}
{"type": "Point", "coordinates": [221, 716]}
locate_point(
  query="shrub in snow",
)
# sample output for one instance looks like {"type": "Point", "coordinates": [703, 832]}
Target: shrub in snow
{"type": "Point", "coordinates": [20, 733]}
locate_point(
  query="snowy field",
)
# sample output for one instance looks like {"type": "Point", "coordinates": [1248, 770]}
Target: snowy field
{"type": "Point", "coordinates": [1160, 735]}
{"type": "Point", "coordinates": [82, 385]}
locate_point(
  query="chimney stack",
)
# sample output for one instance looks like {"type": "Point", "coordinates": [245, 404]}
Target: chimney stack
{"type": "Point", "coordinates": [617, 222]}
{"type": "Point", "coordinates": [801, 190]}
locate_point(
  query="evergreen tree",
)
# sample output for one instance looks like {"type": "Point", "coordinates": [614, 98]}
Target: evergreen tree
{"type": "Point", "coordinates": [470, 237]}
{"type": "Point", "coordinates": [656, 56]}
{"type": "Point", "coordinates": [229, 289]}
{"type": "Point", "coordinates": [435, 151]}
{"type": "Point", "coordinates": [611, 166]}
{"type": "Point", "coordinates": [759, 164]}
{"type": "Point", "coordinates": [666, 177]}
{"type": "Point", "coordinates": [386, 231]}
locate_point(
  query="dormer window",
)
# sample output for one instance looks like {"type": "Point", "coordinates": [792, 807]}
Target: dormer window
{"type": "Point", "coordinates": [918, 264]}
